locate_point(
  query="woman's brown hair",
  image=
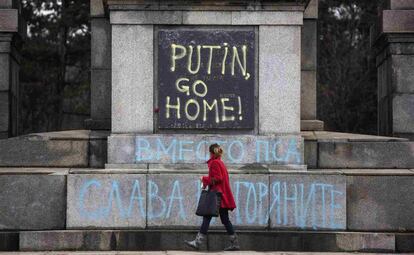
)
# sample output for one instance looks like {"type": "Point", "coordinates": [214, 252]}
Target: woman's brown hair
{"type": "Point", "coordinates": [216, 150]}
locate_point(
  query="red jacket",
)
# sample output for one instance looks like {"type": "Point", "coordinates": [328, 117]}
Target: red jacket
{"type": "Point", "coordinates": [218, 179]}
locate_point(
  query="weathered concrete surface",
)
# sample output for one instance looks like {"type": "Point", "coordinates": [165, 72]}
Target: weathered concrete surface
{"type": "Point", "coordinates": [308, 96]}
{"type": "Point", "coordinates": [252, 242]}
{"type": "Point", "coordinates": [6, 3]}
{"type": "Point", "coordinates": [403, 113]}
{"type": "Point", "coordinates": [121, 149]}
{"type": "Point", "coordinates": [310, 242]}
{"type": "Point", "coordinates": [210, 17]}
{"type": "Point", "coordinates": [311, 11]}
{"type": "Point", "coordinates": [75, 148]}
{"type": "Point", "coordinates": [34, 170]}
{"type": "Point", "coordinates": [4, 72]}
{"type": "Point", "coordinates": [193, 149]}
{"type": "Point", "coordinates": [366, 155]}
{"type": "Point", "coordinates": [402, 74]}
{"type": "Point", "coordinates": [106, 201]}
{"type": "Point", "coordinates": [404, 243]}
{"type": "Point", "coordinates": [101, 41]}
{"type": "Point", "coordinates": [397, 21]}
{"type": "Point", "coordinates": [207, 18]}
{"type": "Point", "coordinates": [309, 45]}
{"type": "Point", "coordinates": [132, 78]}
{"type": "Point", "coordinates": [9, 241]}
{"type": "Point", "coordinates": [327, 136]}
{"type": "Point", "coordinates": [97, 8]}
{"type": "Point", "coordinates": [67, 240]}
{"type": "Point", "coordinates": [4, 111]}
{"type": "Point", "coordinates": [241, 5]}
{"type": "Point", "coordinates": [153, 240]}
{"type": "Point", "coordinates": [380, 203]}
{"type": "Point", "coordinates": [8, 20]}
{"type": "Point", "coordinates": [311, 154]}
{"type": "Point", "coordinates": [311, 125]}
{"type": "Point", "coordinates": [279, 79]}
{"type": "Point", "coordinates": [307, 201]}
{"type": "Point", "coordinates": [399, 4]}
{"type": "Point", "coordinates": [101, 94]}
{"type": "Point", "coordinates": [32, 202]}
{"type": "Point", "coordinates": [267, 18]}
{"type": "Point", "coordinates": [381, 242]}
{"type": "Point", "coordinates": [98, 153]}
{"type": "Point", "coordinates": [37, 150]}
{"type": "Point", "coordinates": [100, 69]}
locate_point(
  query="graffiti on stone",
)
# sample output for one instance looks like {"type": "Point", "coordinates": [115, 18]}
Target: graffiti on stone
{"type": "Point", "coordinates": [238, 150]}
{"type": "Point", "coordinates": [169, 201]}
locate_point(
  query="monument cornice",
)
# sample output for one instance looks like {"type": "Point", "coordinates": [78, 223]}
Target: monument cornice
{"type": "Point", "coordinates": [209, 5]}
{"type": "Point", "coordinates": [195, 17]}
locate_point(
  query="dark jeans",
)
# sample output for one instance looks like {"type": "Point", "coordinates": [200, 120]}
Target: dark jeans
{"type": "Point", "coordinates": [224, 216]}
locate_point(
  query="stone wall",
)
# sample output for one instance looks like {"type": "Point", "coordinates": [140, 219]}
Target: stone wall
{"type": "Point", "coordinates": [193, 149]}
{"type": "Point", "coordinates": [393, 40]}
{"type": "Point", "coordinates": [314, 201]}
{"type": "Point", "coordinates": [100, 68]}
{"type": "Point", "coordinates": [169, 201]}
{"type": "Point", "coordinates": [309, 59]}
{"type": "Point", "coordinates": [9, 68]}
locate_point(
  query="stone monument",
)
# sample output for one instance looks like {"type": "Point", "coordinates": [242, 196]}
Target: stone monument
{"type": "Point", "coordinates": [184, 75]}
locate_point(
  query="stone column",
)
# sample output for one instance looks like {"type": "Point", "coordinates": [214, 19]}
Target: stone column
{"type": "Point", "coordinates": [100, 67]}
{"type": "Point", "coordinates": [308, 104]}
{"type": "Point", "coordinates": [393, 41]}
{"type": "Point", "coordinates": [9, 68]}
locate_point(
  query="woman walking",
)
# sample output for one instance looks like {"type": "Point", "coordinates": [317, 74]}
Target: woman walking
{"type": "Point", "coordinates": [218, 180]}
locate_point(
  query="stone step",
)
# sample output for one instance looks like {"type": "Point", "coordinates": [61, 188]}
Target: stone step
{"type": "Point", "coordinates": [328, 150]}
{"type": "Point", "coordinates": [176, 253]}
{"type": "Point", "coordinates": [366, 155]}
{"type": "Point", "coordinates": [9, 241]}
{"type": "Point", "coordinates": [335, 150]}
{"type": "Point", "coordinates": [156, 240]}
{"type": "Point", "coordinates": [77, 148]}
{"type": "Point", "coordinates": [377, 200]}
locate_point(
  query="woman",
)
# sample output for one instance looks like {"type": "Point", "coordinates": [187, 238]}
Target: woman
{"type": "Point", "coordinates": [217, 179]}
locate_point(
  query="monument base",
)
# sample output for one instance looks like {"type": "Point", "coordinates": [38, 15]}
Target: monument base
{"type": "Point", "coordinates": [168, 201]}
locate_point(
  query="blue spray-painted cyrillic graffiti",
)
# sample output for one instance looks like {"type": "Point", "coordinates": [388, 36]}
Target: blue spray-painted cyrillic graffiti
{"type": "Point", "coordinates": [314, 205]}
{"type": "Point", "coordinates": [153, 197]}
{"type": "Point", "coordinates": [274, 150]}
{"type": "Point", "coordinates": [92, 189]}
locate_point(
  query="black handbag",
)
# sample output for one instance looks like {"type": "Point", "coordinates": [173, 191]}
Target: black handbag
{"type": "Point", "coordinates": [209, 203]}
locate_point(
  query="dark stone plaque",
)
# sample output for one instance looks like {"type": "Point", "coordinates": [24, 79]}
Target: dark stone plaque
{"type": "Point", "coordinates": [206, 79]}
